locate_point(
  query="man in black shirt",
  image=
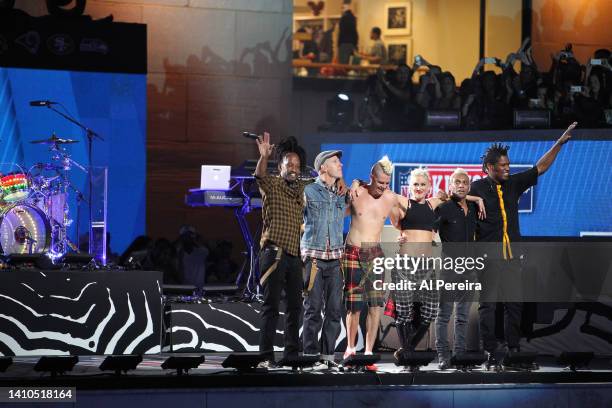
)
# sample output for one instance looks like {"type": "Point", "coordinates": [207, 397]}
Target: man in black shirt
{"type": "Point", "coordinates": [456, 222]}
{"type": "Point", "coordinates": [347, 34]}
{"type": "Point", "coordinates": [501, 191]}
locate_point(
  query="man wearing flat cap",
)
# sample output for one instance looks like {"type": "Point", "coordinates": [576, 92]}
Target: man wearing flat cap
{"type": "Point", "coordinates": [321, 248]}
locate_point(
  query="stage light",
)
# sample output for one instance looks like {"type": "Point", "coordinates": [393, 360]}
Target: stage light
{"type": "Point", "coordinates": [466, 360]}
{"type": "Point", "coordinates": [340, 111]}
{"type": "Point", "coordinates": [244, 362]}
{"type": "Point", "coordinates": [183, 363]}
{"type": "Point", "coordinates": [575, 359]}
{"type": "Point", "coordinates": [299, 362]}
{"type": "Point", "coordinates": [5, 362]}
{"type": "Point", "coordinates": [523, 360]}
{"type": "Point", "coordinates": [359, 361]}
{"type": "Point", "coordinates": [56, 364]}
{"type": "Point", "coordinates": [414, 360]}
{"type": "Point", "coordinates": [122, 362]}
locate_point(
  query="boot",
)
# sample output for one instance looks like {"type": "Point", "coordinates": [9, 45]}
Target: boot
{"type": "Point", "coordinates": [419, 333]}
{"type": "Point", "coordinates": [405, 333]}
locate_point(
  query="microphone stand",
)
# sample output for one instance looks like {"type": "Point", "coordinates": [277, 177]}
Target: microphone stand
{"type": "Point", "coordinates": [91, 135]}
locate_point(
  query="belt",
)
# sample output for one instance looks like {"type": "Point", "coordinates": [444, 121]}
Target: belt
{"type": "Point", "coordinates": [313, 274]}
{"type": "Point", "coordinates": [272, 268]}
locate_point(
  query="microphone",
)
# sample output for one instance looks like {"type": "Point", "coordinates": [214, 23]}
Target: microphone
{"type": "Point", "coordinates": [42, 103]}
{"type": "Point", "coordinates": [250, 135]}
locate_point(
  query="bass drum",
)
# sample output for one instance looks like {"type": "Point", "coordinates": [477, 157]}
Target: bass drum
{"type": "Point", "coordinates": [24, 229]}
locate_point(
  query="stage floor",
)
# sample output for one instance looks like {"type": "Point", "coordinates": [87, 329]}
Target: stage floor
{"type": "Point", "coordinates": [210, 374]}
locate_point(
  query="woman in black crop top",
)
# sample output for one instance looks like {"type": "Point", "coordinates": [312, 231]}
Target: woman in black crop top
{"type": "Point", "coordinates": [415, 309]}
{"type": "Point", "coordinates": [417, 218]}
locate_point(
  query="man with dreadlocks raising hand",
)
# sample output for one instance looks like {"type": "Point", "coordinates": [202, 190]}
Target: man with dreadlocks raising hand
{"type": "Point", "coordinates": [280, 266]}
{"type": "Point", "coordinates": [501, 191]}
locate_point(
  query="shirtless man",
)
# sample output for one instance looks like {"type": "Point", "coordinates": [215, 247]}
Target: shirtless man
{"type": "Point", "coordinates": [370, 207]}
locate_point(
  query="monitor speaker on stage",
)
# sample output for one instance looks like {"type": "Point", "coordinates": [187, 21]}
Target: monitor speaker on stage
{"type": "Point", "coordinates": [414, 360]}
{"type": "Point", "coordinates": [56, 364]}
{"type": "Point", "coordinates": [33, 261]}
{"type": "Point", "coordinates": [532, 119]}
{"type": "Point", "coordinates": [183, 363]}
{"type": "Point", "coordinates": [442, 119]}
{"type": "Point", "coordinates": [244, 362]}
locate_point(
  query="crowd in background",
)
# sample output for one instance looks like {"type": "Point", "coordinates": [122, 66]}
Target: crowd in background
{"type": "Point", "coordinates": [398, 99]}
{"type": "Point", "coordinates": [187, 260]}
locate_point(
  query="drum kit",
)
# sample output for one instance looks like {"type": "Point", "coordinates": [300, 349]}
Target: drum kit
{"type": "Point", "coordinates": [34, 210]}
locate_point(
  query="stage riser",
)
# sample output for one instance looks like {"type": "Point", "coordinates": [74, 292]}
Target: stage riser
{"type": "Point", "coordinates": [80, 312]}
{"type": "Point", "coordinates": [511, 396]}
{"type": "Point", "coordinates": [222, 327]}
{"type": "Point", "coordinates": [234, 326]}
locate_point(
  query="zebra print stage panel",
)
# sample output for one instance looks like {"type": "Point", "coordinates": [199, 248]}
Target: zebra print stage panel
{"type": "Point", "coordinates": [80, 312]}
{"type": "Point", "coordinates": [231, 326]}
{"type": "Point", "coordinates": [234, 326]}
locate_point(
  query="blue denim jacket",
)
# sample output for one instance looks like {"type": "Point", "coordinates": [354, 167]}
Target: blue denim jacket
{"type": "Point", "coordinates": [323, 217]}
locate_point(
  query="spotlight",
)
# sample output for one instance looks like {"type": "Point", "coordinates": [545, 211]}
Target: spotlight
{"type": "Point", "coordinates": [575, 359]}
{"type": "Point", "coordinates": [521, 360]}
{"type": "Point", "coordinates": [414, 360]}
{"type": "Point", "coordinates": [244, 362]}
{"type": "Point", "coordinates": [340, 112]}
{"type": "Point", "coordinates": [119, 363]}
{"type": "Point", "coordinates": [182, 364]}
{"type": "Point", "coordinates": [358, 361]}
{"type": "Point", "coordinates": [5, 362]}
{"type": "Point", "coordinates": [56, 364]}
{"type": "Point", "coordinates": [299, 362]}
{"type": "Point", "coordinates": [467, 360]}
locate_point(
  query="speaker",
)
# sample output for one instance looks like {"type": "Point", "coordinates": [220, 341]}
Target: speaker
{"type": "Point", "coordinates": [442, 119]}
{"type": "Point", "coordinates": [532, 119]}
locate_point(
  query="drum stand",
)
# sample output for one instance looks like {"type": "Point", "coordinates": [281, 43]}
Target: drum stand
{"type": "Point", "coordinates": [91, 135]}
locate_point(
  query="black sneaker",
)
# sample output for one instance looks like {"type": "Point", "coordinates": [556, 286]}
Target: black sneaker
{"type": "Point", "coordinates": [492, 362]}
{"type": "Point", "coordinates": [332, 365]}
{"type": "Point", "coordinates": [267, 364]}
{"type": "Point", "coordinates": [514, 365]}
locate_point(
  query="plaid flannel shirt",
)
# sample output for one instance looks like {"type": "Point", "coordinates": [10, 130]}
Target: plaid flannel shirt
{"type": "Point", "coordinates": [282, 212]}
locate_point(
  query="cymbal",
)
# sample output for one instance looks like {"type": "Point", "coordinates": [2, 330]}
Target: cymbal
{"type": "Point", "coordinates": [54, 140]}
{"type": "Point", "coordinates": [46, 166]}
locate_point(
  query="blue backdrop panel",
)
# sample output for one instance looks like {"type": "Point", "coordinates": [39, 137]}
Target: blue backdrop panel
{"type": "Point", "coordinates": [112, 104]}
{"type": "Point", "coordinates": [572, 197]}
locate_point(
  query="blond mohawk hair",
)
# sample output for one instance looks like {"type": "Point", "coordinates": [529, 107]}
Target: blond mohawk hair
{"type": "Point", "coordinates": [385, 165]}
